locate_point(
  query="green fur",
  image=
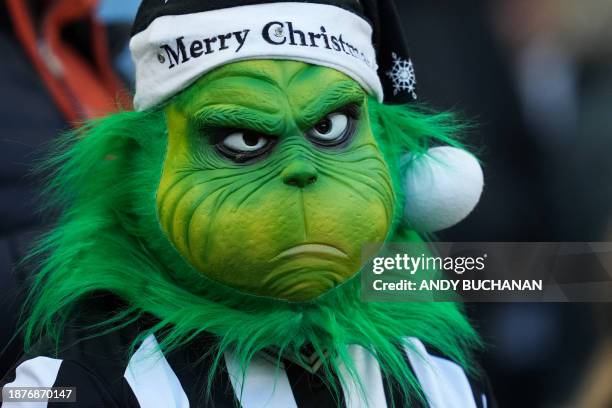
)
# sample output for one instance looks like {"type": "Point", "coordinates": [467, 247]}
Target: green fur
{"type": "Point", "coordinates": [109, 239]}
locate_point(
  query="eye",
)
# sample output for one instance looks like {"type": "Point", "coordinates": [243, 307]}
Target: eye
{"type": "Point", "coordinates": [243, 145]}
{"type": "Point", "coordinates": [332, 130]}
{"type": "Point", "coordinates": [244, 142]}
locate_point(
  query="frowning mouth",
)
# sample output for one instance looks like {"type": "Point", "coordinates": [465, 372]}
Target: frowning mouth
{"type": "Point", "coordinates": [305, 271]}
{"type": "Point", "coordinates": [321, 250]}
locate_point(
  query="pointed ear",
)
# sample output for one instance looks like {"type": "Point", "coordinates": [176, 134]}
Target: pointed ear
{"type": "Point", "coordinates": [441, 187]}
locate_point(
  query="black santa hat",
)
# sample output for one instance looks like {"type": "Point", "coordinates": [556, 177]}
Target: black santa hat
{"type": "Point", "coordinates": [174, 42]}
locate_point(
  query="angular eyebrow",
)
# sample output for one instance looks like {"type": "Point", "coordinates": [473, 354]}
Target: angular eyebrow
{"type": "Point", "coordinates": [239, 117]}
{"type": "Point", "coordinates": [331, 99]}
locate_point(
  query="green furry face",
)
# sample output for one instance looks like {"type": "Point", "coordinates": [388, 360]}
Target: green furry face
{"type": "Point", "coordinates": [272, 179]}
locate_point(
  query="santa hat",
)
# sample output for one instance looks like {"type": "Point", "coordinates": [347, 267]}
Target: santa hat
{"type": "Point", "coordinates": [174, 42]}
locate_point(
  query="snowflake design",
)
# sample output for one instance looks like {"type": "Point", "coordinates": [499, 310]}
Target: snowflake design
{"type": "Point", "coordinates": [402, 75]}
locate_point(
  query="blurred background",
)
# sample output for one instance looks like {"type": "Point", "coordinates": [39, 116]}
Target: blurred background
{"type": "Point", "coordinates": [535, 75]}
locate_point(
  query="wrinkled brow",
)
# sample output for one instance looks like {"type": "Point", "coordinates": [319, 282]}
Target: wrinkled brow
{"type": "Point", "coordinates": [238, 117]}
{"type": "Point", "coordinates": [329, 100]}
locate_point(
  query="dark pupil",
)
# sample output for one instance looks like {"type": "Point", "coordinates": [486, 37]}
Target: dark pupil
{"type": "Point", "coordinates": [323, 126]}
{"type": "Point", "coordinates": [250, 139]}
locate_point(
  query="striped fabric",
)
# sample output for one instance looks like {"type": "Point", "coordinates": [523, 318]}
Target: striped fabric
{"type": "Point", "coordinates": [106, 376]}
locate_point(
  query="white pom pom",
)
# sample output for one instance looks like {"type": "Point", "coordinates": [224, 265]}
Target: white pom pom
{"type": "Point", "coordinates": [442, 187]}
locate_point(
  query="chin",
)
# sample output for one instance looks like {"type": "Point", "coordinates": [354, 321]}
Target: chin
{"type": "Point", "coordinates": [301, 284]}
{"type": "Point", "coordinates": [308, 290]}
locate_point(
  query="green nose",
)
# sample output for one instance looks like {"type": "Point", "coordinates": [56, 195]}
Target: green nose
{"type": "Point", "coordinates": [299, 174]}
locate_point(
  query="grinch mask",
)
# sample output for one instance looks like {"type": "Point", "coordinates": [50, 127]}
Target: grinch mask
{"type": "Point", "coordinates": [272, 179]}
{"type": "Point", "coordinates": [256, 185]}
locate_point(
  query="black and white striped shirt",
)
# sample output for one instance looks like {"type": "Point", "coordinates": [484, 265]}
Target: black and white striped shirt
{"type": "Point", "coordinates": [105, 375]}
